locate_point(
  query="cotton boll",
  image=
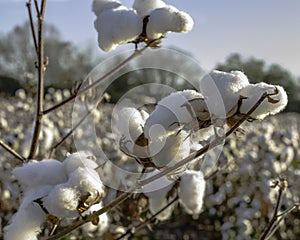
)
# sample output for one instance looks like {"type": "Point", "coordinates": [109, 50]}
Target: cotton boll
{"type": "Point", "coordinates": [62, 201]}
{"type": "Point", "coordinates": [178, 108]}
{"type": "Point", "coordinates": [45, 172]}
{"type": "Point", "coordinates": [191, 191]}
{"type": "Point", "coordinates": [253, 93]}
{"type": "Point", "coordinates": [221, 90]}
{"type": "Point", "coordinates": [78, 159]}
{"type": "Point", "coordinates": [86, 180]}
{"type": "Point", "coordinates": [100, 6]}
{"type": "Point", "coordinates": [168, 19]}
{"type": "Point", "coordinates": [129, 124]}
{"type": "Point", "coordinates": [26, 223]}
{"type": "Point", "coordinates": [117, 26]}
{"type": "Point", "coordinates": [144, 7]}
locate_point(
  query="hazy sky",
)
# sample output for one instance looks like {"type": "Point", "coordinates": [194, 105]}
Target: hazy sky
{"type": "Point", "coordinates": [268, 29]}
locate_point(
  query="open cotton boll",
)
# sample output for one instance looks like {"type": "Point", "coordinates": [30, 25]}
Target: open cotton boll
{"type": "Point", "coordinates": [168, 19]}
{"type": "Point", "coordinates": [191, 191]}
{"type": "Point", "coordinates": [62, 201]}
{"type": "Point", "coordinates": [221, 90]}
{"type": "Point", "coordinates": [86, 180]}
{"type": "Point", "coordinates": [26, 223]}
{"type": "Point", "coordinates": [78, 159]}
{"type": "Point", "coordinates": [174, 110]}
{"type": "Point", "coordinates": [100, 6]}
{"type": "Point", "coordinates": [144, 7]}
{"type": "Point", "coordinates": [117, 26]}
{"type": "Point", "coordinates": [129, 123]}
{"type": "Point", "coordinates": [167, 150]}
{"type": "Point", "coordinates": [253, 93]}
{"type": "Point", "coordinates": [45, 172]}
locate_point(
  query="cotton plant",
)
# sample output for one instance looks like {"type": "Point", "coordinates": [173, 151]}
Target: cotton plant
{"type": "Point", "coordinates": [146, 21]}
{"type": "Point", "coordinates": [54, 190]}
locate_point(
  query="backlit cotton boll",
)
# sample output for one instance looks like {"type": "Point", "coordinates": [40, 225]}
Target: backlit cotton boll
{"type": "Point", "coordinates": [191, 191]}
{"type": "Point", "coordinates": [62, 201]}
{"type": "Point", "coordinates": [168, 19]}
{"type": "Point", "coordinates": [270, 106]}
{"type": "Point", "coordinates": [144, 7]}
{"type": "Point", "coordinates": [221, 90]}
{"type": "Point", "coordinates": [117, 26]}
{"type": "Point", "coordinates": [100, 6]}
{"type": "Point", "coordinates": [45, 172]}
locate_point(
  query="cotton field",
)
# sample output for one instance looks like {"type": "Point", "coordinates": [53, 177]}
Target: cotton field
{"type": "Point", "coordinates": [239, 197]}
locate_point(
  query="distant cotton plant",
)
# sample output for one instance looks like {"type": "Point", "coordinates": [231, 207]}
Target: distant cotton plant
{"type": "Point", "coordinates": [147, 21]}
{"type": "Point", "coordinates": [62, 190]}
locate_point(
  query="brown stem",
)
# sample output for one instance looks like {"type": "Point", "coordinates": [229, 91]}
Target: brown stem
{"type": "Point", "coordinates": [41, 77]}
{"type": "Point", "coordinates": [12, 151]}
{"type": "Point", "coordinates": [28, 4]}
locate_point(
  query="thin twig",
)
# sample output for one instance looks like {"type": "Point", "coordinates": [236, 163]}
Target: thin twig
{"type": "Point", "coordinates": [54, 147]}
{"type": "Point", "coordinates": [12, 151]}
{"type": "Point", "coordinates": [28, 5]}
{"type": "Point", "coordinates": [41, 77]}
{"type": "Point", "coordinates": [104, 77]}
{"type": "Point", "coordinates": [269, 228]}
{"type": "Point", "coordinates": [37, 7]}
{"type": "Point", "coordinates": [131, 231]}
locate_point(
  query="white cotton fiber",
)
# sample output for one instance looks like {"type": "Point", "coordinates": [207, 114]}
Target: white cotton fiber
{"type": "Point", "coordinates": [78, 159]}
{"type": "Point", "coordinates": [191, 191]}
{"type": "Point", "coordinates": [221, 90]}
{"type": "Point", "coordinates": [86, 180]}
{"type": "Point", "coordinates": [26, 223]}
{"type": "Point", "coordinates": [173, 111]}
{"type": "Point", "coordinates": [168, 19]}
{"type": "Point", "coordinates": [62, 201]}
{"type": "Point", "coordinates": [117, 26]}
{"type": "Point", "coordinates": [274, 105]}
{"type": "Point", "coordinates": [45, 172]}
{"type": "Point", "coordinates": [100, 6]}
{"type": "Point", "coordinates": [156, 204]}
{"type": "Point", "coordinates": [144, 7]}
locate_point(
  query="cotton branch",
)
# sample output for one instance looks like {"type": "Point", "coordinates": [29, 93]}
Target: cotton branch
{"type": "Point", "coordinates": [28, 5]}
{"type": "Point", "coordinates": [41, 77]}
{"type": "Point", "coordinates": [142, 183]}
{"type": "Point", "coordinates": [12, 151]}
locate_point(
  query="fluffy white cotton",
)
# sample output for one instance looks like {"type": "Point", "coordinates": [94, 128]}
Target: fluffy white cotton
{"type": "Point", "coordinates": [273, 105]}
{"type": "Point", "coordinates": [191, 191]}
{"type": "Point", "coordinates": [86, 180]}
{"type": "Point", "coordinates": [45, 172]}
{"type": "Point", "coordinates": [156, 204]}
{"type": "Point", "coordinates": [177, 109]}
{"type": "Point", "coordinates": [117, 26]}
{"type": "Point", "coordinates": [62, 201]}
{"type": "Point", "coordinates": [100, 6]}
{"type": "Point", "coordinates": [26, 223]}
{"type": "Point", "coordinates": [144, 7]}
{"type": "Point", "coordinates": [168, 19]}
{"type": "Point", "coordinates": [221, 90]}
{"type": "Point", "coordinates": [78, 159]}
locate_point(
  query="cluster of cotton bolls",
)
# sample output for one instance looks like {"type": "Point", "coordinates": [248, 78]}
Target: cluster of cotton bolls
{"type": "Point", "coordinates": [147, 20]}
{"type": "Point", "coordinates": [58, 189]}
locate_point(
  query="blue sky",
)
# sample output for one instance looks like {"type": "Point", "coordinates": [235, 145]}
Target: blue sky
{"type": "Point", "coordinates": [267, 29]}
